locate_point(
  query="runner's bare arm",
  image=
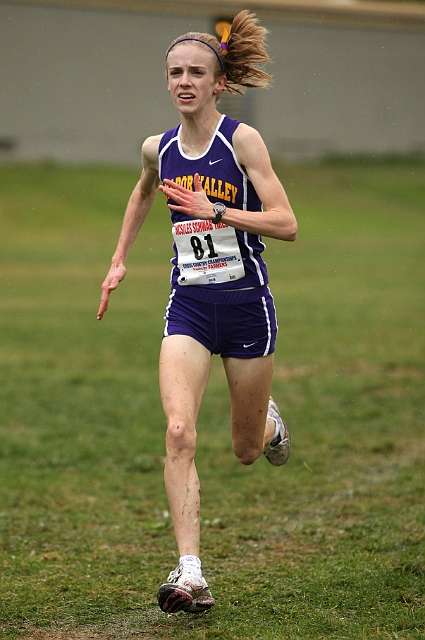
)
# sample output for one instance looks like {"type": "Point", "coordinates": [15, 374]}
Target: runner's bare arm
{"type": "Point", "coordinates": [277, 219]}
{"type": "Point", "coordinates": [138, 207]}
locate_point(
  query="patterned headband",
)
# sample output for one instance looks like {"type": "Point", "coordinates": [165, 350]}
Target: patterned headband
{"type": "Point", "coordinates": [203, 42]}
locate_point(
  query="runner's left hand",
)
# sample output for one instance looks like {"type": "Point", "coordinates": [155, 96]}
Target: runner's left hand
{"type": "Point", "coordinates": [193, 203]}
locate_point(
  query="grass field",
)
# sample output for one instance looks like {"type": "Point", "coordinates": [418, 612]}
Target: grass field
{"type": "Point", "coordinates": [330, 546]}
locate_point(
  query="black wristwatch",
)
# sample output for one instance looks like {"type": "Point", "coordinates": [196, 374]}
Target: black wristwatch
{"type": "Point", "coordinates": [219, 210]}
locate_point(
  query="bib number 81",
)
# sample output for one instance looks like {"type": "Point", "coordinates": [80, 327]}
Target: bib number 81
{"type": "Point", "coordinates": [198, 249]}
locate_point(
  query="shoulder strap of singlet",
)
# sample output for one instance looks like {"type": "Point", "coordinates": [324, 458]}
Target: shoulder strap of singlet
{"type": "Point", "coordinates": [167, 139]}
{"type": "Point", "coordinates": [228, 127]}
{"type": "Point", "coordinates": [225, 133]}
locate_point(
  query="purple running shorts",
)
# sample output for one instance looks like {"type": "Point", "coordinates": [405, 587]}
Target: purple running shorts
{"type": "Point", "coordinates": [235, 324]}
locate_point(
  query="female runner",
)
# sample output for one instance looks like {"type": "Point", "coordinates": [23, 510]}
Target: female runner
{"type": "Point", "coordinates": [223, 197]}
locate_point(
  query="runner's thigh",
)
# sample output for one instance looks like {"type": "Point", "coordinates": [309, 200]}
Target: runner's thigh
{"type": "Point", "coordinates": [184, 369]}
{"type": "Point", "coordinates": [249, 384]}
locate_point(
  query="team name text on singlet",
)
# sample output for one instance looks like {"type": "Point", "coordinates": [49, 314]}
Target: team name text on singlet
{"type": "Point", "coordinates": [213, 187]}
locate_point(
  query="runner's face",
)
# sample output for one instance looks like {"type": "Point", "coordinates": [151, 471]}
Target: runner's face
{"type": "Point", "coordinates": [191, 77]}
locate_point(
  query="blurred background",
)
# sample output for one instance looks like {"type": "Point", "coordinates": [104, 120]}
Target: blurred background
{"type": "Point", "coordinates": [83, 81]}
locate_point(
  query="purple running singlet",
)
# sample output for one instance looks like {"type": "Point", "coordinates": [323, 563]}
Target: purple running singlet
{"type": "Point", "coordinates": [219, 294]}
{"type": "Point", "coordinates": [208, 254]}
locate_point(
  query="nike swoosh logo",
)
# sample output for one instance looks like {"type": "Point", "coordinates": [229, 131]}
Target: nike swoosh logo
{"type": "Point", "coordinates": [246, 346]}
{"type": "Point", "coordinates": [215, 161]}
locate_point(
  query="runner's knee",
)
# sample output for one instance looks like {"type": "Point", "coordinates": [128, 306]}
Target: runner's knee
{"type": "Point", "coordinates": [180, 438]}
{"type": "Point", "coordinates": [246, 453]}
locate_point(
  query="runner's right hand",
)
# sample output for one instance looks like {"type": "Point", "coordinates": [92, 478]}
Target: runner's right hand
{"type": "Point", "coordinates": [115, 275]}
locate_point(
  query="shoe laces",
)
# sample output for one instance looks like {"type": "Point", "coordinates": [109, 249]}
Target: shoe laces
{"type": "Point", "coordinates": [190, 578]}
{"type": "Point", "coordinates": [175, 574]}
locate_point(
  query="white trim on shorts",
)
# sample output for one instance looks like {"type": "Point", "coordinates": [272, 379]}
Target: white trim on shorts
{"type": "Point", "coordinates": [167, 310]}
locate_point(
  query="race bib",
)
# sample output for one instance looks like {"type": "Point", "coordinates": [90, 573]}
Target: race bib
{"type": "Point", "coordinates": [207, 253]}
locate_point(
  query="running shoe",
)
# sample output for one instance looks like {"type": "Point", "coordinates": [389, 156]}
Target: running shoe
{"type": "Point", "coordinates": [184, 591]}
{"type": "Point", "coordinates": [280, 447]}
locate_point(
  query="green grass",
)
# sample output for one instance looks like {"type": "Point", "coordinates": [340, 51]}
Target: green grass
{"type": "Point", "coordinates": [330, 546]}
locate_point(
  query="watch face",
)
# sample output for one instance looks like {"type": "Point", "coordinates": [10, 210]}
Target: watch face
{"type": "Point", "coordinates": [219, 207]}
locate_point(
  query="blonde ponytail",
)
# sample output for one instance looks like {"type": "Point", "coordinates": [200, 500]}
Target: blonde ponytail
{"type": "Point", "coordinates": [241, 56]}
{"type": "Point", "coordinates": [246, 53]}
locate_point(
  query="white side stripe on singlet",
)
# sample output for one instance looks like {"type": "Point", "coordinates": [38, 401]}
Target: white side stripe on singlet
{"type": "Point", "coordinates": [254, 260]}
{"type": "Point", "coordinates": [245, 179]}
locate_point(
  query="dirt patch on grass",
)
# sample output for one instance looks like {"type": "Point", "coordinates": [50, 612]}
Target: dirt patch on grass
{"type": "Point", "coordinates": [294, 372]}
{"type": "Point", "coordinates": [112, 632]}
